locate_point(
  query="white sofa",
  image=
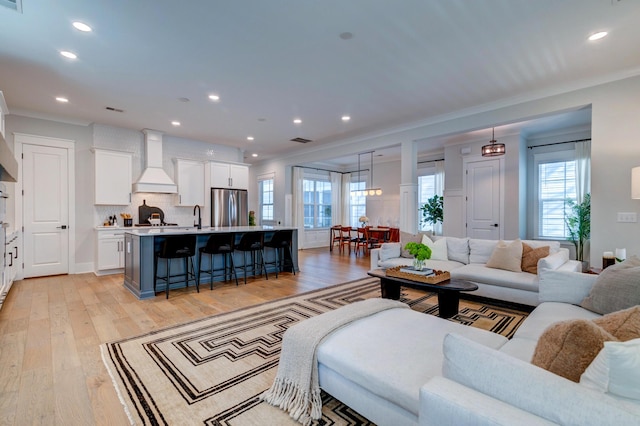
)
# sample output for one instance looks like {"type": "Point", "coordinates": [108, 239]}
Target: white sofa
{"type": "Point", "coordinates": [401, 367]}
{"type": "Point", "coordinates": [467, 258]}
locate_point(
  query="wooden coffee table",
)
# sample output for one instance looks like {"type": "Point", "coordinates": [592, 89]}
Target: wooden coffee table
{"type": "Point", "coordinates": [448, 291]}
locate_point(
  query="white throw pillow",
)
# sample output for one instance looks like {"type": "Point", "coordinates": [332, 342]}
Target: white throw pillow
{"type": "Point", "coordinates": [507, 256]}
{"type": "Point", "coordinates": [458, 249]}
{"type": "Point", "coordinates": [438, 248]}
{"type": "Point", "coordinates": [389, 251]}
{"type": "Point", "coordinates": [480, 250]}
{"type": "Point", "coordinates": [616, 370]}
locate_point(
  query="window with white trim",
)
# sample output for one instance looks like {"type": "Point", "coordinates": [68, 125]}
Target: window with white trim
{"type": "Point", "coordinates": [265, 194]}
{"type": "Point", "coordinates": [426, 190]}
{"type": "Point", "coordinates": [555, 183]}
{"type": "Point", "coordinates": [358, 203]}
{"type": "Point", "coordinates": [317, 202]}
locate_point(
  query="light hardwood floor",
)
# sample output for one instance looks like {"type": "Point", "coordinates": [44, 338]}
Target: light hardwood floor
{"type": "Point", "coordinates": [51, 370]}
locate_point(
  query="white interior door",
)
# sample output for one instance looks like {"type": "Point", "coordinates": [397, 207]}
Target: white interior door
{"type": "Point", "coordinates": [483, 199]}
{"type": "Point", "coordinates": [45, 210]}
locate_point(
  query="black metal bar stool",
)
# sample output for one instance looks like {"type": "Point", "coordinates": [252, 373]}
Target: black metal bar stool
{"type": "Point", "coordinates": [281, 241]}
{"type": "Point", "coordinates": [218, 244]}
{"type": "Point", "coordinates": [252, 242]}
{"type": "Point", "coordinates": [176, 247]}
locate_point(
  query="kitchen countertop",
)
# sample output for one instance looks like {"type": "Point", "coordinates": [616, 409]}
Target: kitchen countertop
{"type": "Point", "coordinates": [169, 230]}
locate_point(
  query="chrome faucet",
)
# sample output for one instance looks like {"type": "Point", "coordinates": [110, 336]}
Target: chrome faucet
{"type": "Point", "coordinates": [199, 224]}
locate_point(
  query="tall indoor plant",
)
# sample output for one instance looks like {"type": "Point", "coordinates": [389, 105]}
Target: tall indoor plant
{"type": "Point", "coordinates": [432, 210]}
{"type": "Point", "coordinates": [578, 220]}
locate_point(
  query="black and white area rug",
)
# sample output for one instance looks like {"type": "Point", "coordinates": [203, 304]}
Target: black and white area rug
{"type": "Point", "coordinates": [211, 371]}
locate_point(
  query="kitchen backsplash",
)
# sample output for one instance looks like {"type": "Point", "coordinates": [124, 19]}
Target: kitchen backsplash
{"type": "Point", "coordinates": [183, 216]}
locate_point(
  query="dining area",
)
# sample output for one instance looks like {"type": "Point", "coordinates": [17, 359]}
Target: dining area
{"type": "Point", "coordinates": [360, 240]}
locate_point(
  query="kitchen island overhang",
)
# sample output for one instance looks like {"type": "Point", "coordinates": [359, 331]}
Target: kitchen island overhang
{"type": "Point", "coordinates": [141, 245]}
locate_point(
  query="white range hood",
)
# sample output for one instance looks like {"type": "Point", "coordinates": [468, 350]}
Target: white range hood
{"type": "Point", "coordinates": [154, 178]}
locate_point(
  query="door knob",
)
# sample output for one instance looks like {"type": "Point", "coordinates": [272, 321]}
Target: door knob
{"type": "Point", "coordinates": [495, 225]}
{"type": "Point", "coordinates": [61, 227]}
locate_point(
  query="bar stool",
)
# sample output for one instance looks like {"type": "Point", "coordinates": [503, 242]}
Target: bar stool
{"type": "Point", "coordinates": [252, 242]}
{"type": "Point", "coordinates": [176, 247]}
{"type": "Point", "coordinates": [218, 244]}
{"type": "Point", "coordinates": [280, 241]}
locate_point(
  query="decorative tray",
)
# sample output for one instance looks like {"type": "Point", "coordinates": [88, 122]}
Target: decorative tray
{"type": "Point", "coordinates": [439, 276]}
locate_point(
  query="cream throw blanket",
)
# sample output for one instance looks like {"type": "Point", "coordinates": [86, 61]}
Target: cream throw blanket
{"type": "Point", "coordinates": [296, 388]}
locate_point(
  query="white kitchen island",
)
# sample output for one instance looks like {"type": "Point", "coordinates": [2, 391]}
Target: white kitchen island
{"type": "Point", "coordinates": [141, 245]}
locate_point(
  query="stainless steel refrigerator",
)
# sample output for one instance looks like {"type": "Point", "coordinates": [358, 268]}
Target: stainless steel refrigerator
{"type": "Point", "coordinates": [229, 207]}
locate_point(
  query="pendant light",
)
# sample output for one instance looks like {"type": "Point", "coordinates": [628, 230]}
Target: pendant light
{"type": "Point", "coordinates": [493, 149]}
{"type": "Point", "coordinates": [372, 191]}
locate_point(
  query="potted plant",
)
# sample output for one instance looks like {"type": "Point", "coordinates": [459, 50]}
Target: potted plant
{"type": "Point", "coordinates": [578, 222]}
{"type": "Point", "coordinates": [432, 210]}
{"type": "Point", "coordinates": [421, 253]}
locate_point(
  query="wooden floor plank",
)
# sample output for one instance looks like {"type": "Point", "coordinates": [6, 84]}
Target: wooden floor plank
{"type": "Point", "coordinates": [51, 328]}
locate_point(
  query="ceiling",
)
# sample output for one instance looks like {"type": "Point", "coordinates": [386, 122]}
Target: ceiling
{"type": "Point", "coordinates": [273, 61]}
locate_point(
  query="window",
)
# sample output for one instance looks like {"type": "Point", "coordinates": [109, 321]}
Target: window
{"type": "Point", "coordinates": [317, 202]}
{"type": "Point", "coordinates": [426, 190]}
{"type": "Point", "coordinates": [555, 183]}
{"type": "Point", "coordinates": [358, 203]}
{"type": "Point", "coordinates": [265, 190]}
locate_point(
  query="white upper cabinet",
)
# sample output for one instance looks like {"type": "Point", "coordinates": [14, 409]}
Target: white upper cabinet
{"type": "Point", "coordinates": [228, 175]}
{"type": "Point", "coordinates": [190, 181]}
{"type": "Point", "coordinates": [113, 177]}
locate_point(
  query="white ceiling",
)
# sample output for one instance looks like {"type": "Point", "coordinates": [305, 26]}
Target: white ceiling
{"type": "Point", "coordinates": [271, 61]}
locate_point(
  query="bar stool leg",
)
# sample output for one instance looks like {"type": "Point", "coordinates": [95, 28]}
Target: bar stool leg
{"type": "Point", "coordinates": [166, 289]}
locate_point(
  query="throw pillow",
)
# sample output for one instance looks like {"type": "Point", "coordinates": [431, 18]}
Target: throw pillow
{"type": "Point", "coordinates": [438, 248]}
{"type": "Point", "coordinates": [405, 238]}
{"type": "Point", "coordinates": [530, 257]}
{"type": "Point", "coordinates": [623, 325]}
{"type": "Point", "coordinates": [389, 251]}
{"type": "Point", "coordinates": [480, 250]}
{"type": "Point", "coordinates": [617, 288]}
{"type": "Point", "coordinates": [458, 249]}
{"type": "Point", "coordinates": [567, 348]}
{"type": "Point", "coordinates": [616, 370]}
{"type": "Point", "coordinates": [507, 256]}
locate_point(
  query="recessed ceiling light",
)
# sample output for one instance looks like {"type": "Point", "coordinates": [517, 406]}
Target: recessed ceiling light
{"type": "Point", "coordinates": [346, 118]}
{"type": "Point", "coordinates": [61, 99]}
{"type": "Point", "coordinates": [249, 138]}
{"type": "Point", "coordinates": [67, 54]}
{"type": "Point", "coordinates": [81, 26]}
{"type": "Point", "coordinates": [254, 155]}
{"type": "Point", "coordinates": [175, 123]}
{"type": "Point", "coordinates": [297, 120]}
{"type": "Point", "coordinates": [214, 98]}
{"type": "Point", "coordinates": [598, 36]}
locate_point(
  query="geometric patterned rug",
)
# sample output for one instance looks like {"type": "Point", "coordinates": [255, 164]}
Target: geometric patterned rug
{"type": "Point", "coordinates": [211, 371]}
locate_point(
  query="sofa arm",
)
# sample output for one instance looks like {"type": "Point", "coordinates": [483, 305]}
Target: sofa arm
{"type": "Point", "coordinates": [528, 387]}
{"type": "Point", "coordinates": [554, 261]}
{"type": "Point", "coordinates": [374, 257]}
{"type": "Point", "coordinates": [564, 286]}
{"type": "Point", "coordinates": [444, 402]}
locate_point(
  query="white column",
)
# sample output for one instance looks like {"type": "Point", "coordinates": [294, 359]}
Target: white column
{"type": "Point", "coordinates": [409, 187]}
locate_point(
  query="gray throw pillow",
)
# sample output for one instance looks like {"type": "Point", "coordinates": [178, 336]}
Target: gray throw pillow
{"type": "Point", "coordinates": [405, 238]}
{"type": "Point", "coordinates": [617, 288]}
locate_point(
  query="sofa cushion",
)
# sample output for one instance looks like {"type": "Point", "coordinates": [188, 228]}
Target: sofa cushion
{"type": "Point", "coordinates": [616, 370]}
{"type": "Point", "coordinates": [564, 286]}
{"type": "Point", "coordinates": [481, 274]}
{"type": "Point", "coordinates": [617, 287]}
{"type": "Point", "coordinates": [481, 250]}
{"type": "Point", "coordinates": [568, 347]}
{"type": "Point", "coordinates": [549, 313]}
{"type": "Point", "coordinates": [507, 256]}
{"type": "Point", "coordinates": [394, 353]}
{"type": "Point", "coordinates": [554, 246]}
{"type": "Point", "coordinates": [530, 257]}
{"type": "Point", "coordinates": [553, 261]}
{"type": "Point", "coordinates": [438, 247]}
{"type": "Point", "coordinates": [389, 251]}
{"type": "Point", "coordinates": [624, 325]}
{"type": "Point", "coordinates": [458, 249]}
{"type": "Point", "coordinates": [405, 238]}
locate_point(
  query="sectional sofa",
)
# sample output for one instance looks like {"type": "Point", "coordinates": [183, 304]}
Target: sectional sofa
{"type": "Point", "coordinates": [401, 367]}
{"type": "Point", "coordinates": [466, 258]}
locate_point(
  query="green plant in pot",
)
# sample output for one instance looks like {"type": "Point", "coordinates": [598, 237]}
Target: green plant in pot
{"type": "Point", "coordinates": [578, 222]}
{"type": "Point", "coordinates": [433, 210]}
{"type": "Point", "coordinates": [420, 252]}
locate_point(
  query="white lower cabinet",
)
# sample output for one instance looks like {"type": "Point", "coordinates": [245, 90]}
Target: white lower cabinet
{"type": "Point", "coordinates": [110, 252]}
